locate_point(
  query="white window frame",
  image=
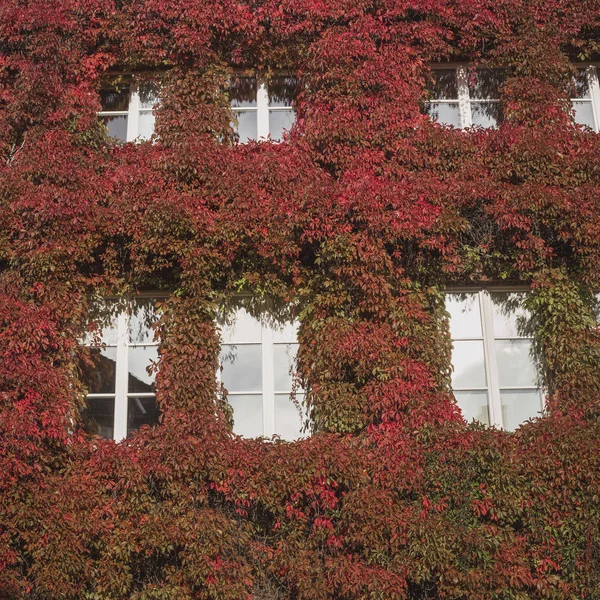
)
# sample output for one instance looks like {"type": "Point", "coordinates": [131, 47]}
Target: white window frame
{"type": "Point", "coordinates": [489, 338]}
{"type": "Point", "coordinates": [134, 108]}
{"type": "Point", "coordinates": [268, 390]}
{"type": "Point", "coordinates": [591, 73]}
{"type": "Point", "coordinates": [262, 109]}
{"type": "Point", "coordinates": [463, 98]}
{"type": "Point", "coordinates": [122, 395]}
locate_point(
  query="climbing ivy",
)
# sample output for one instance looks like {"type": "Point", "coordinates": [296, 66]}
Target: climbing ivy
{"type": "Point", "coordinates": [354, 225]}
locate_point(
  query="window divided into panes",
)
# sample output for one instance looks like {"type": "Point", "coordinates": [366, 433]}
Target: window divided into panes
{"type": "Point", "coordinates": [257, 362]}
{"type": "Point", "coordinates": [127, 109]}
{"type": "Point", "coordinates": [463, 97]}
{"type": "Point", "coordinates": [121, 391]}
{"type": "Point", "coordinates": [586, 101]}
{"type": "Point", "coordinates": [494, 379]}
{"type": "Point", "coordinates": [261, 109]}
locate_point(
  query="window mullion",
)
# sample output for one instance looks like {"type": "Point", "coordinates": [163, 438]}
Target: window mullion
{"type": "Point", "coordinates": [491, 363]}
{"type": "Point", "coordinates": [464, 106]}
{"type": "Point", "coordinates": [133, 114]}
{"type": "Point", "coordinates": [262, 109]}
{"type": "Point", "coordinates": [121, 376]}
{"type": "Point", "coordinates": [268, 381]}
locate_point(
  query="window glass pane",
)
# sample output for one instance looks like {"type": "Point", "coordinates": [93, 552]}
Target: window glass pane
{"type": "Point", "coordinates": [580, 83]}
{"type": "Point", "coordinates": [280, 121]}
{"type": "Point", "coordinates": [469, 365]}
{"type": "Point", "coordinates": [115, 98]}
{"type": "Point", "coordinates": [518, 406]}
{"type": "Point", "coordinates": [474, 405]}
{"type": "Point", "coordinates": [101, 378]}
{"type": "Point", "coordinates": [507, 312]}
{"type": "Point", "coordinates": [485, 84]}
{"type": "Point", "coordinates": [442, 84]}
{"type": "Point", "coordinates": [444, 114]}
{"type": "Point", "coordinates": [241, 367]}
{"type": "Point", "coordinates": [286, 333]}
{"type": "Point", "coordinates": [465, 318]}
{"type": "Point", "coordinates": [241, 328]}
{"type": "Point", "coordinates": [515, 366]}
{"type": "Point", "coordinates": [117, 126]}
{"type": "Point", "coordinates": [141, 357]}
{"type": "Point", "coordinates": [247, 414]}
{"type": "Point", "coordinates": [283, 90]}
{"type": "Point", "coordinates": [486, 114]}
{"type": "Point", "coordinates": [288, 417]}
{"type": "Point", "coordinates": [143, 316]}
{"type": "Point", "coordinates": [584, 114]}
{"type": "Point", "coordinates": [148, 91]}
{"type": "Point", "coordinates": [146, 125]}
{"type": "Point", "coordinates": [107, 330]}
{"type": "Point", "coordinates": [242, 91]}
{"type": "Point", "coordinates": [141, 411]}
{"type": "Point", "coordinates": [99, 417]}
{"type": "Point", "coordinates": [284, 356]}
{"type": "Point", "coordinates": [246, 128]}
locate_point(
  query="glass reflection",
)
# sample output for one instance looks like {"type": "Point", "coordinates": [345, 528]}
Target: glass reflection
{"type": "Point", "coordinates": [241, 327]}
{"type": "Point", "coordinates": [115, 98]}
{"type": "Point", "coordinates": [148, 91]}
{"type": "Point", "coordinates": [518, 406]}
{"type": "Point", "coordinates": [484, 84]}
{"type": "Point", "coordinates": [247, 414]}
{"type": "Point", "coordinates": [280, 121]}
{"type": "Point", "coordinates": [146, 125]}
{"type": "Point", "coordinates": [486, 114]}
{"type": "Point", "coordinates": [105, 329]}
{"type": "Point", "coordinates": [100, 378]}
{"type": "Point", "coordinates": [242, 91]}
{"type": "Point", "coordinates": [283, 90]}
{"type": "Point", "coordinates": [474, 405]}
{"type": "Point", "coordinates": [444, 113]}
{"type": "Point", "coordinates": [469, 365]}
{"type": "Point", "coordinates": [465, 318]}
{"type": "Point", "coordinates": [117, 126]}
{"type": "Point", "coordinates": [584, 114]}
{"type": "Point", "coordinates": [581, 86]}
{"type": "Point", "coordinates": [508, 312]}
{"type": "Point", "coordinates": [515, 366]}
{"type": "Point", "coordinates": [141, 411]}
{"type": "Point", "coordinates": [442, 84]}
{"type": "Point", "coordinates": [141, 322]}
{"type": "Point", "coordinates": [246, 128]}
{"type": "Point", "coordinates": [99, 417]}
{"type": "Point", "coordinates": [288, 417]}
{"type": "Point", "coordinates": [284, 356]}
{"type": "Point", "coordinates": [140, 358]}
{"type": "Point", "coordinates": [241, 367]}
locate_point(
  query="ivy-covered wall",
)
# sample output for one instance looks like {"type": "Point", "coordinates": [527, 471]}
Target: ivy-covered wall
{"type": "Point", "coordinates": [355, 225]}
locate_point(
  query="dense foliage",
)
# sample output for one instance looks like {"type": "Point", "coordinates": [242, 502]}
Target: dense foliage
{"type": "Point", "coordinates": [355, 224]}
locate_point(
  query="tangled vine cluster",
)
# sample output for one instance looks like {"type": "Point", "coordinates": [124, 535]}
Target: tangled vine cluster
{"type": "Point", "coordinates": [355, 225]}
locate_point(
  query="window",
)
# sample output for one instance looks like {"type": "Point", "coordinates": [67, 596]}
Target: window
{"type": "Point", "coordinates": [464, 97]}
{"type": "Point", "coordinates": [121, 394]}
{"type": "Point", "coordinates": [127, 110]}
{"type": "Point", "coordinates": [587, 97]}
{"type": "Point", "coordinates": [494, 378]}
{"type": "Point", "coordinates": [257, 360]}
{"type": "Point", "coordinates": [262, 111]}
